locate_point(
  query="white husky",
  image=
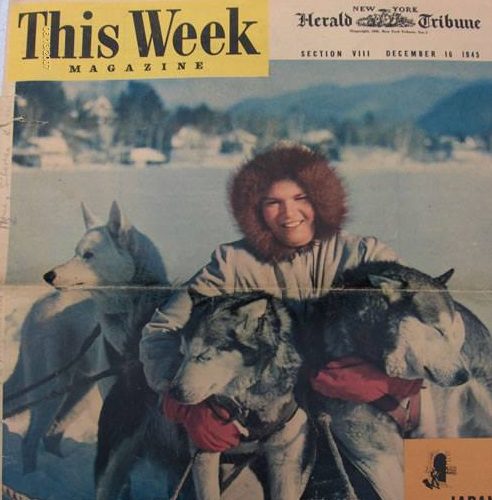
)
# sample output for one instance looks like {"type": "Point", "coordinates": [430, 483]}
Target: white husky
{"type": "Point", "coordinates": [115, 279]}
{"type": "Point", "coordinates": [406, 323]}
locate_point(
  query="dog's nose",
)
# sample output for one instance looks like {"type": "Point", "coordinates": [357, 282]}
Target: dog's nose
{"type": "Point", "coordinates": [49, 277]}
{"type": "Point", "coordinates": [461, 377]}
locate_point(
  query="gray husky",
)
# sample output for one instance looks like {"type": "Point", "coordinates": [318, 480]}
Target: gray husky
{"type": "Point", "coordinates": [406, 323]}
{"type": "Point", "coordinates": [115, 279]}
{"type": "Point", "coordinates": [239, 351]}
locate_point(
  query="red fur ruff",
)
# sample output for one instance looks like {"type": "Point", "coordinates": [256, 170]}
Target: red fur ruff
{"type": "Point", "coordinates": [297, 163]}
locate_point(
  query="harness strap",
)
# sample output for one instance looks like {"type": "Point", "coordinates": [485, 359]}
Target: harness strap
{"type": "Point", "coordinates": [184, 476]}
{"type": "Point", "coordinates": [83, 349]}
{"type": "Point", "coordinates": [60, 392]}
{"type": "Point", "coordinates": [233, 408]}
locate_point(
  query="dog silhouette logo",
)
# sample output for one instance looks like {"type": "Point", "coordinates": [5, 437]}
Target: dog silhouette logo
{"type": "Point", "coordinates": [438, 470]}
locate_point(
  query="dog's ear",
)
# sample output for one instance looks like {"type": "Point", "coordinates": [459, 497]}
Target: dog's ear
{"type": "Point", "coordinates": [249, 315]}
{"type": "Point", "coordinates": [253, 310]}
{"type": "Point", "coordinates": [118, 225]}
{"type": "Point", "coordinates": [90, 220]}
{"type": "Point", "coordinates": [444, 278]}
{"type": "Point", "coordinates": [390, 287]}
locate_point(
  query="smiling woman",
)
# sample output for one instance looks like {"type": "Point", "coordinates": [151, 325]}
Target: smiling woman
{"type": "Point", "coordinates": [290, 206]}
{"type": "Point", "coordinates": [289, 214]}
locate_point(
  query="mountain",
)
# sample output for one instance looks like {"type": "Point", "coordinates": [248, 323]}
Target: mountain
{"type": "Point", "coordinates": [466, 112]}
{"type": "Point", "coordinates": [395, 102]}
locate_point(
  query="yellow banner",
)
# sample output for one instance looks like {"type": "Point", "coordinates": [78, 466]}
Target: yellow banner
{"type": "Point", "coordinates": [448, 469]}
{"type": "Point", "coordinates": [155, 39]}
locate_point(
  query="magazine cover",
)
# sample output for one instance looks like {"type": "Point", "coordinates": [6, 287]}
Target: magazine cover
{"type": "Point", "coordinates": [245, 250]}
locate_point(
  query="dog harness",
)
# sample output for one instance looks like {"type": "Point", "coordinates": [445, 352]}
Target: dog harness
{"type": "Point", "coordinates": [257, 430]}
{"type": "Point", "coordinates": [355, 379]}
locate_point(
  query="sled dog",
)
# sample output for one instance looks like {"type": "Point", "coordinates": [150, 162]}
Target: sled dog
{"type": "Point", "coordinates": [105, 283]}
{"type": "Point", "coordinates": [406, 323]}
{"type": "Point", "coordinates": [240, 351]}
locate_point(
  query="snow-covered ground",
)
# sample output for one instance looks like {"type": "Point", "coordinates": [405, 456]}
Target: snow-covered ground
{"type": "Point", "coordinates": [180, 160]}
{"type": "Point", "coordinates": [436, 215]}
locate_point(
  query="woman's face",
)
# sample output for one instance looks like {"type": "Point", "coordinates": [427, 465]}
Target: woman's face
{"type": "Point", "coordinates": [289, 214]}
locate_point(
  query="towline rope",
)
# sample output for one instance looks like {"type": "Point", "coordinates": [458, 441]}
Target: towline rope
{"type": "Point", "coordinates": [70, 387]}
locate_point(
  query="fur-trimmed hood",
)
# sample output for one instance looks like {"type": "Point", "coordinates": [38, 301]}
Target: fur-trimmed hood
{"type": "Point", "coordinates": [285, 161]}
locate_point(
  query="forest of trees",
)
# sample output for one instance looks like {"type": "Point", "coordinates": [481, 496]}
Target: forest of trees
{"type": "Point", "coordinates": [138, 117]}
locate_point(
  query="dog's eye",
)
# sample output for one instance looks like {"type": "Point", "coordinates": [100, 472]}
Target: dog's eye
{"type": "Point", "coordinates": [87, 255]}
{"type": "Point", "coordinates": [441, 331]}
{"type": "Point", "coordinates": [202, 358]}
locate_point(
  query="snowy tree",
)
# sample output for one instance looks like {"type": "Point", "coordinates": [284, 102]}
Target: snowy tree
{"type": "Point", "coordinates": [43, 106]}
{"type": "Point", "coordinates": [140, 117]}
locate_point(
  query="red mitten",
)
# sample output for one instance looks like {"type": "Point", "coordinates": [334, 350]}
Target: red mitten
{"type": "Point", "coordinates": [208, 429]}
{"type": "Point", "coordinates": [401, 388]}
{"type": "Point", "coordinates": [174, 411]}
{"type": "Point", "coordinates": [355, 379]}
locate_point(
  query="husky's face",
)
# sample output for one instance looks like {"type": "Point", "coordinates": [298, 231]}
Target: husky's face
{"type": "Point", "coordinates": [101, 257]}
{"type": "Point", "coordinates": [222, 345]}
{"type": "Point", "coordinates": [425, 333]}
{"type": "Point", "coordinates": [97, 262]}
{"type": "Point", "coordinates": [206, 370]}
